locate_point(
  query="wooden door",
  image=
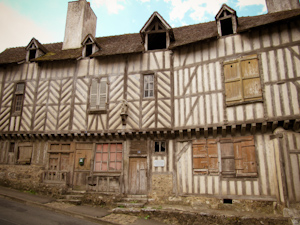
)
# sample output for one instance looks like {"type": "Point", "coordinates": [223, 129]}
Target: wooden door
{"type": "Point", "coordinates": [138, 176]}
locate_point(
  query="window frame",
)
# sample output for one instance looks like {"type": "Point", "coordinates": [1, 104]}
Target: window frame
{"type": "Point", "coordinates": [160, 142]}
{"type": "Point", "coordinates": [18, 99]}
{"type": "Point", "coordinates": [148, 89]}
{"type": "Point", "coordinates": [97, 93]}
{"type": "Point", "coordinates": [155, 30]}
{"type": "Point", "coordinates": [241, 80]}
{"type": "Point", "coordinates": [109, 153]}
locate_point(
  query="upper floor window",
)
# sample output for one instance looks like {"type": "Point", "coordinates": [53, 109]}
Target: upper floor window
{"type": "Point", "coordinates": [90, 46]}
{"type": "Point", "coordinates": [98, 95]}
{"type": "Point", "coordinates": [34, 50]}
{"type": "Point", "coordinates": [242, 80]}
{"type": "Point", "coordinates": [18, 98]}
{"type": "Point", "coordinates": [157, 33]}
{"type": "Point", "coordinates": [149, 85]}
{"type": "Point", "coordinates": [226, 21]}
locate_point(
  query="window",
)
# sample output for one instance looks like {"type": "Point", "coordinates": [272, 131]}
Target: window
{"type": "Point", "coordinates": [157, 41]}
{"type": "Point", "coordinates": [88, 47]}
{"type": "Point", "coordinates": [160, 147]}
{"type": "Point", "coordinates": [242, 80]}
{"type": "Point", "coordinates": [11, 147]}
{"type": "Point", "coordinates": [236, 157]}
{"type": "Point", "coordinates": [205, 157]}
{"type": "Point", "coordinates": [149, 85]}
{"type": "Point", "coordinates": [226, 26]}
{"type": "Point", "coordinates": [18, 98]}
{"type": "Point", "coordinates": [108, 157]}
{"type": "Point", "coordinates": [98, 95]}
{"type": "Point", "coordinates": [24, 153]}
{"type": "Point", "coordinates": [32, 54]}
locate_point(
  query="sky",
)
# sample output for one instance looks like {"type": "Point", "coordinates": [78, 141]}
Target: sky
{"type": "Point", "coordinates": [21, 20]}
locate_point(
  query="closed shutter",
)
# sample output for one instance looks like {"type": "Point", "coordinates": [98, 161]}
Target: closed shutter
{"type": "Point", "coordinates": [233, 87]}
{"type": "Point", "coordinates": [102, 94]}
{"type": "Point", "coordinates": [245, 158]}
{"type": "Point", "coordinates": [200, 162]}
{"type": "Point", "coordinates": [251, 79]}
{"type": "Point", "coordinates": [94, 95]}
{"type": "Point", "coordinates": [227, 155]}
{"type": "Point", "coordinates": [212, 151]}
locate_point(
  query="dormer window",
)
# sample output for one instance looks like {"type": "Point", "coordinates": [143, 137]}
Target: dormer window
{"type": "Point", "coordinates": [156, 33]}
{"type": "Point", "coordinates": [90, 46]}
{"type": "Point", "coordinates": [34, 50]}
{"type": "Point", "coordinates": [226, 21]}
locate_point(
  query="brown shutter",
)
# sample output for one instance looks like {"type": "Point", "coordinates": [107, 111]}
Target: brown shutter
{"type": "Point", "coordinates": [227, 156]}
{"type": "Point", "coordinates": [94, 95]}
{"type": "Point", "coordinates": [245, 159]}
{"type": "Point", "coordinates": [251, 79]}
{"type": "Point", "coordinates": [102, 94]}
{"type": "Point", "coordinates": [212, 151]}
{"type": "Point", "coordinates": [233, 87]}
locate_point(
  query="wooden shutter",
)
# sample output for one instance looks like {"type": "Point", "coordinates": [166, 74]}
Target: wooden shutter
{"type": "Point", "coordinates": [94, 95]}
{"type": "Point", "coordinates": [212, 153]}
{"type": "Point", "coordinates": [102, 94]}
{"type": "Point", "coordinates": [227, 155]}
{"type": "Point", "coordinates": [233, 86]}
{"type": "Point", "coordinates": [200, 162]}
{"type": "Point", "coordinates": [245, 158]}
{"type": "Point", "coordinates": [251, 79]}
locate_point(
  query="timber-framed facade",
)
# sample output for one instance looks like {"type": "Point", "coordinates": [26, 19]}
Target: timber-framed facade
{"type": "Point", "coordinates": [201, 114]}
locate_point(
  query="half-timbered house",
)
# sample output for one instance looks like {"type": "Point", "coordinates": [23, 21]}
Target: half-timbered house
{"type": "Point", "coordinates": [206, 111]}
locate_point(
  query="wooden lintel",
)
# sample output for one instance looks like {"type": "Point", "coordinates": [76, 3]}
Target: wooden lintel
{"type": "Point", "coordinates": [158, 134]}
{"type": "Point", "coordinates": [264, 127]}
{"type": "Point", "coordinates": [166, 134]}
{"type": "Point", "coordinates": [224, 131]}
{"type": "Point", "coordinates": [110, 136]}
{"type": "Point", "coordinates": [151, 134]}
{"type": "Point", "coordinates": [173, 134]}
{"type": "Point", "coordinates": [253, 128]}
{"type": "Point", "coordinates": [206, 132]}
{"type": "Point", "coordinates": [286, 124]}
{"type": "Point", "coordinates": [233, 130]}
{"type": "Point", "coordinates": [83, 136]}
{"type": "Point", "coordinates": [215, 132]}
{"type": "Point", "coordinates": [296, 125]}
{"type": "Point", "coordinates": [197, 133]}
{"type": "Point", "coordinates": [243, 129]}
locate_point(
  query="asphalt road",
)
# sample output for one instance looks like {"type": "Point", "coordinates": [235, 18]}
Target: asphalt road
{"type": "Point", "coordinates": [16, 213]}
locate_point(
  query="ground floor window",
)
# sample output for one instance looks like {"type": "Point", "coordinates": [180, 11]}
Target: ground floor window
{"type": "Point", "coordinates": [108, 157]}
{"type": "Point", "coordinates": [231, 157]}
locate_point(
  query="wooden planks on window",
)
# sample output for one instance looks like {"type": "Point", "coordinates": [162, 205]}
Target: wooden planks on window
{"type": "Point", "coordinates": [98, 94]}
{"type": "Point", "coordinates": [205, 156]}
{"type": "Point", "coordinates": [242, 80]}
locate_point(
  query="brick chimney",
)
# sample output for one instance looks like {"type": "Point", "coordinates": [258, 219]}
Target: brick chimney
{"type": "Point", "coordinates": [282, 5]}
{"type": "Point", "coordinates": [81, 21]}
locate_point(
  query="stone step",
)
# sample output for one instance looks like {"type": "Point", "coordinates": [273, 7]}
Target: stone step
{"type": "Point", "coordinates": [137, 196]}
{"type": "Point", "coordinates": [71, 201]}
{"type": "Point", "coordinates": [73, 196]}
{"type": "Point", "coordinates": [130, 204]}
{"type": "Point", "coordinates": [135, 199]}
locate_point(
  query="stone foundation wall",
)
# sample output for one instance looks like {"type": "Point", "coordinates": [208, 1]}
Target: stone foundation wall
{"type": "Point", "coordinates": [162, 187]}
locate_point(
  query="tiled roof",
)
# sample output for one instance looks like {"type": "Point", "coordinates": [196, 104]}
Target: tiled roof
{"type": "Point", "coordinates": [132, 43]}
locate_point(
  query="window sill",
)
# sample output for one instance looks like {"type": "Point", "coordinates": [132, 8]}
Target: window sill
{"type": "Point", "coordinates": [243, 103]}
{"type": "Point", "coordinates": [97, 111]}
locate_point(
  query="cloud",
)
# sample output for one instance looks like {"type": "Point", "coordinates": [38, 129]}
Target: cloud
{"type": "Point", "coordinates": [113, 6]}
{"type": "Point", "coordinates": [243, 3]}
{"type": "Point", "coordinates": [18, 30]}
{"type": "Point", "coordinates": [197, 9]}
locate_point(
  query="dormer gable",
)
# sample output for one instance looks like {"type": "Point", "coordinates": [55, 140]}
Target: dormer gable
{"type": "Point", "coordinates": [90, 46]}
{"type": "Point", "coordinates": [156, 33]}
{"type": "Point", "coordinates": [34, 50]}
{"type": "Point", "coordinates": [226, 21]}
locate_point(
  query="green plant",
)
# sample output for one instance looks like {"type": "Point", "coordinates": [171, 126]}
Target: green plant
{"type": "Point", "coordinates": [147, 217]}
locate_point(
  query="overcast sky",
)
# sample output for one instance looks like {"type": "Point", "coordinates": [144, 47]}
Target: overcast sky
{"type": "Point", "coordinates": [21, 20]}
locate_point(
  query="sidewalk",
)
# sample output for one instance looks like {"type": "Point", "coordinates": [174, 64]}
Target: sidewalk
{"type": "Point", "coordinates": [91, 213]}
{"type": "Point", "coordinates": [151, 214]}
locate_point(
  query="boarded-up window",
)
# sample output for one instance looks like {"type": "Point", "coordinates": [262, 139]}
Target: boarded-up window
{"type": "Point", "coordinates": [98, 95]}
{"type": "Point", "coordinates": [24, 154]}
{"type": "Point", "coordinates": [238, 157]}
{"type": "Point", "coordinates": [108, 157]}
{"type": "Point", "coordinates": [242, 80]}
{"type": "Point", "coordinates": [205, 156]}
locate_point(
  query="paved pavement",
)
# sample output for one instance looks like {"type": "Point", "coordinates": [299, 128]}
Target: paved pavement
{"type": "Point", "coordinates": [145, 216]}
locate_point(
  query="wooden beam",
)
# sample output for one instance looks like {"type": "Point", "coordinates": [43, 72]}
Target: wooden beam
{"type": "Point", "coordinates": [264, 127]}
{"type": "Point", "coordinates": [206, 132]}
{"type": "Point", "coordinates": [286, 124]}
{"type": "Point", "coordinates": [253, 128]}
{"type": "Point", "coordinates": [181, 134]}
{"type": "Point", "coordinates": [189, 133]}
{"type": "Point", "coordinates": [243, 129]}
{"type": "Point", "coordinates": [233, 130]}
{"type": "Point", "coordinates": [224, 131]}
{"type": "Point", "coordinates": [215, 132]}
{"type": "Point", "coordinates": [274, 125]}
